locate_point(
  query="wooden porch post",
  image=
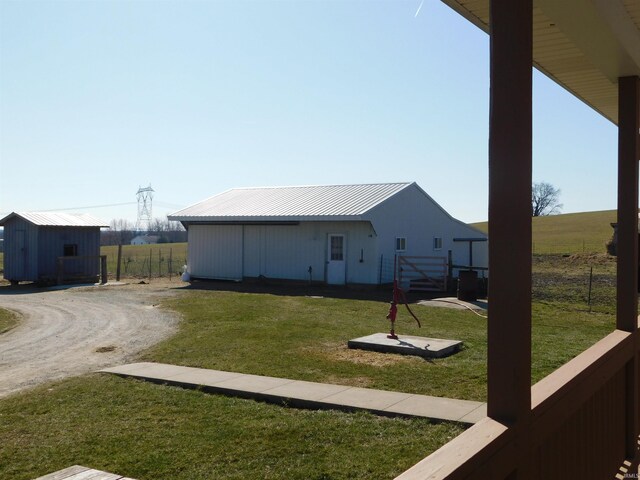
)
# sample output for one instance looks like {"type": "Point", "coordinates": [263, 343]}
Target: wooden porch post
{"type": "Point", "coordinates": [627, 276]}
{"type": "Point", "coordinates": [510, 145]}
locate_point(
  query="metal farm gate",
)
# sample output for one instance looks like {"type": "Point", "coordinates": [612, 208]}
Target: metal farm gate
{"type": "Point", "coordinates": [426, 274]}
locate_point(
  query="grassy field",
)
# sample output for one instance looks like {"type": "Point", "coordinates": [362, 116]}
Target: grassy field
{"type": "Point", "coordinates": [586, 232]}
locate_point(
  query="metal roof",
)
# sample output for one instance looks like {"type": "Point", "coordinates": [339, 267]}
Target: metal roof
{"type": "Point", "coordinates": [272, 203]}
{"type": "Point", "coordinates": [57, 219]}
{"type": "Point", "coordinates": [583, 45]}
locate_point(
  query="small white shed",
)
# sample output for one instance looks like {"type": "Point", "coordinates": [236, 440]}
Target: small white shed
{"type": "Point", "coordinates": [145, 240]}
{"type": "Point", "coordinates": [335, 234]}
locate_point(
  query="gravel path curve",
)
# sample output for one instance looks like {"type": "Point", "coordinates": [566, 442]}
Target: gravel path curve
{"type": "Point", "coordinates": [66, 332]}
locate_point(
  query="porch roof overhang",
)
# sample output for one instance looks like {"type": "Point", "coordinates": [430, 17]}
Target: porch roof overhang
{"type": "Point", "coordinates": [583, 45]}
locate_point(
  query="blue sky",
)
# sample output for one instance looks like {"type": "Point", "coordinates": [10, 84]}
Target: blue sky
{"type": "Point", "coordinates": [98, 98]}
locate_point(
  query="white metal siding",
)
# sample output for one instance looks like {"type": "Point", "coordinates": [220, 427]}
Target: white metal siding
{"type": "Point", "coordinates": [215, 251]}
{"type": "Point", "coordinates": [412, 215]}
{"type": "Point", "coordinates": [287, 251]}
{"type": "Point", "coordinates": [284, 251]}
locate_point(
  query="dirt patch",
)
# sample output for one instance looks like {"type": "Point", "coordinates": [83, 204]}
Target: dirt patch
{"type": "Point", "coordinates": [342, 353]}
{"type": "Point", "coordinates": [110, 348]}
{"type": "Point", "coordinates": [362, 382]}
{"type": "Point", "coordinates": [70, 331]}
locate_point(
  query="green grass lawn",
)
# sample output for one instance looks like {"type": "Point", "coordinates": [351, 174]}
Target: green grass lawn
{"type": "Point", "coordinates": [305, 338]}
{"type": "Point", "coordinates": [151, 431]}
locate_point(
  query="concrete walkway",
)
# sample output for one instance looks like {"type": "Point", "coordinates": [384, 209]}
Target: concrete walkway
{"type": "Point", "coordinates": [306, 394]}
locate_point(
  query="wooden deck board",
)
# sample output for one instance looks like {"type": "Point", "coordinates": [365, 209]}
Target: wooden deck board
{"type": "Point", "coordinates": [78, 472]}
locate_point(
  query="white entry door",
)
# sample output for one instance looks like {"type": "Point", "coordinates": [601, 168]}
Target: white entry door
{"type": "Point", "coordinates": [336, 259]}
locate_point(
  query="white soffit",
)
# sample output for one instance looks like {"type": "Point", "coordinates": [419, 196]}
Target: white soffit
{"type": "Point", "coordinates": [583, 45]}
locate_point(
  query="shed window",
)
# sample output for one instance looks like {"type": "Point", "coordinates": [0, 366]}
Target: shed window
{"type": "Point", "coordinates": [401, 244]}
{"type": "Point", "coordinates": [437, 243]}
{"type": "Point", "coordinates": [71, 250]}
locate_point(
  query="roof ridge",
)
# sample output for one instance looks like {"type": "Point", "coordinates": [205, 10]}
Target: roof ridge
{"type": "Point", "coordinates": [320, 185]}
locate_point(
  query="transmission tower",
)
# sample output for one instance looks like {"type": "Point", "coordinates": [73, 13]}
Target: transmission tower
{"type": "Point", "coordinates": [145, 203]}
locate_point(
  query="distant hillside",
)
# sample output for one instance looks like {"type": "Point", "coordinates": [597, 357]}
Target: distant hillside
{"type": "Point", "coordinates": [570, 233]}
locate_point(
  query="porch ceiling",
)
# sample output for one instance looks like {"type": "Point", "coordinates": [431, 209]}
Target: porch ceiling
{"type": "Point", "coordinates": [583, 45]}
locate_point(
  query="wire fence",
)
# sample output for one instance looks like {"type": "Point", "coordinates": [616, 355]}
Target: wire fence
{"type": "Point", "coordinates": [385, 270]}
{"type": "Point", "coordinates": [589, 287]}
{"type": "Point", "coordinates": [157, 262]}
{"type": "Point", "coordinates": [568, 248]}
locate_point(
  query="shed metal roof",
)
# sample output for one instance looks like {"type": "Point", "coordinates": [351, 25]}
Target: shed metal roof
{"type": "Point", "coordinates": [273, 203]}
{"type": "Point", "coordinates": [57, 219]}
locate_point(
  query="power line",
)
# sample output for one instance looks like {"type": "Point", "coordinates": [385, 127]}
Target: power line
{"type": "Point", "coordinates": [162, 204]}
{"type": "Point", "coordinates": [87, 207]}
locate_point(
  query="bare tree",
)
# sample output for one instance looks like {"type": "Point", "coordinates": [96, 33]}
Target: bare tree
{"type": "Point", "coordinates": [545, 199]}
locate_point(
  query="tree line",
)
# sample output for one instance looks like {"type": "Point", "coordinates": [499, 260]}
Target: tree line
{"type": "Point", "coordinates": [122, 231]}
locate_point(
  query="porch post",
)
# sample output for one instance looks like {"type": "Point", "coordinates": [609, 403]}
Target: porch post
{"type": "Point", "coordinates": [627, 248]}
{"type": "Point", "coordinates": [510, 145]}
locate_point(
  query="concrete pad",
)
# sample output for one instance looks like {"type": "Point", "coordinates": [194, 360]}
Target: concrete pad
{"type": "Point", "coordinates": [202, 376]}
{"type": "Point", "coordinates": [307, 394]}
{"type": "Point", "coordinates": [148, 370]}
{"type": "Point", "coordinates": [252, 383]}
{"type": "Point", "coordinates": [407, 345]}
{"type": "Point", "coordinates": [475, 415]}
{"type": "Point", "coordinates": [366, 398]}
{"type": "Point", "coordinates": [435, 407]}
{"type": "Point", "coordinates": [128, 369]}
{"type": "Point", "coordinates": [309, 391]}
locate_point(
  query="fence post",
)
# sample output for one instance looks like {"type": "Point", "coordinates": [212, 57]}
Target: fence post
{"type": "Point", "coordinates": [119, 261]}
{"type": "Point", "coordinates": [150, 262]}
{"type": "Point", "coordinates": [103, 269]}
{"type": "Point", "coordinates": [590, 283]}
{"type": "Point", "coordinates": [170, 261]}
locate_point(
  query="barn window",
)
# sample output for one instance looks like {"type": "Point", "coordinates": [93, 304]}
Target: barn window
{"type": "Point", "coordinates": [437, 243]}
{"type": "Point", "coordinates": [401, 244]}
{"type": "Point", "coordinates": [71, 250]}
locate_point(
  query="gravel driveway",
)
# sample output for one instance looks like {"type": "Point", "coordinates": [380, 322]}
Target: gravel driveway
{"type": "Point", "coordinates": [66, 332]}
